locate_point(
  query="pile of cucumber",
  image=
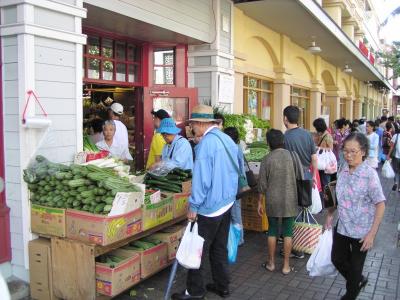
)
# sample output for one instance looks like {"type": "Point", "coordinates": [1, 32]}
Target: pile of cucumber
{"type": "Point", "coordinates": [172, 182]}
{"type": "Point", "coordinates": [110, 260]}
{"type": "Point", "coordinates": [143, 244]}
{"type": "Point", "coordinates": [87, 188]}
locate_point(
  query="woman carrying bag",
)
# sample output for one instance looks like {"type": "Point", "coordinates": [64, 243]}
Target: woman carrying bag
{"type": "Point", "coordinates": [361, 206]}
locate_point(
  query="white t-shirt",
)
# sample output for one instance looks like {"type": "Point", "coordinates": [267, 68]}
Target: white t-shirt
{"type": "Point", "coordinates": [396, 147]}
{"type": "Point", "coordinates": [116, 150]}
{"type": "Point", "coordinates": [121, 134]}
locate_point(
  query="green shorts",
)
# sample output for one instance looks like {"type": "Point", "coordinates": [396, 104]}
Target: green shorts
{"type": "Point", "coordinates": [287, 226]}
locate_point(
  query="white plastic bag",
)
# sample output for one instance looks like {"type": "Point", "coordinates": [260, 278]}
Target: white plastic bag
{"type": "Point", "coordinates": [387, 170]}
{"type": "Point", "coordinates": [316, 205]}
{"type": "Point", "coordinates": [191, 248]}
{"type": "Point", "coordinates": [331, 166]}
{"type": "Point", "coordinates": [322, 159]}
{"type": "Point", "coordinates": [320, 263]}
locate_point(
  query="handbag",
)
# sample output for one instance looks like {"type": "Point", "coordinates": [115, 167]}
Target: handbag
{"type": "Point", "coordinates": [304, 189]}
{"type": "Point", "coordinates": [191, 248]}
{"type": "Point", "coordinates": [251, 179]}
{"type": "Point", "coordinates": [306, 232]}
{"type": "Point", "coordinates": [330, 195]}
{"type": "Point", "coordinates": [242, 181]}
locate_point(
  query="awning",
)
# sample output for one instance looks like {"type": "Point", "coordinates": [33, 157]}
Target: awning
{"type": "Point", "coordinates": [302, 19]}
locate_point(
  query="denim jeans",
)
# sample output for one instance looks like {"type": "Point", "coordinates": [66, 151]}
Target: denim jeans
{"type": "Point", "coordinates": [236, 217]}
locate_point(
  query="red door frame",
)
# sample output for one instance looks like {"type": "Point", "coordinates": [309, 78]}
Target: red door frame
{"type": "Point", "coordinates": [5, 243]}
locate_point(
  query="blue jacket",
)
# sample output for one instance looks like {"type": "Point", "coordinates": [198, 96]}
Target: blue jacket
{"type": "Point", "coordinates": [179, 153]}
{"type": "Point", "coordinates": [215, 179]}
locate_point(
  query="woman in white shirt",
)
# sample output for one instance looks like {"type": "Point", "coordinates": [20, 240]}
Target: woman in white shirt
{"type": "Point", "coordinates": [109, 144]}
{"type": "Point", "coordinates": [394, 155]}
{"type": "Point", "coordinates": [373, 138]}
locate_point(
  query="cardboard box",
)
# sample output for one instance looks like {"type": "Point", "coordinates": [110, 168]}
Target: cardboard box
{"type": "Point", "coordinates": [180, 204]}
{"type": "Point", "coordinates": [100, 229]}
{"type": "Point", "coordinates": [40, 269]}
{"type": "Point", "coordinates": [187, 186]}
{"type": "Point", "coordinates": [172, 236]}
{"type": "Point", "coordinates": [48, 220]}
{"type": "Point", "coordinates": [158, 213]}
{"type": "Point", "coordinates": [152, 260]}
{"type": "Point", "coordinates": [112, 281]}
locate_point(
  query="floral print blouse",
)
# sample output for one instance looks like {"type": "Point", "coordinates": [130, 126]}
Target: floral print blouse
{"type": "Point", "coordinates": [357, 194]}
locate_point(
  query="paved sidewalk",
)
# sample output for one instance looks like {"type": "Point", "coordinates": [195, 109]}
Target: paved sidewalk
{"type": "Point", "coordinates": [250, 281]}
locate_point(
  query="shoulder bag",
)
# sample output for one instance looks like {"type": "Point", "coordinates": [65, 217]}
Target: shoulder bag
{"type": "Point", "coordinates": [330, 195]}
{"type": "Point", "coordinates": [304, 188]}
{"type": "Point", "coordinates": [393, 154]}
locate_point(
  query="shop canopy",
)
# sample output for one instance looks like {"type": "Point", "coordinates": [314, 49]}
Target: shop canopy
{"type": "Point", "coordinates": [300, 20]}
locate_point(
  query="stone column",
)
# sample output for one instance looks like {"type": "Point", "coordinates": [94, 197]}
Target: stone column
{"type": "Point", "coordinates": [335, 12]}
{"type": "Point", "coordinates": [334, 102]}
{"type": "Point", "coordinates": [348, 26]}
{"type": "Point", "coordinates": [358, 109]}
{"type": "Point", "coordinates": [315, 106]}
{"type": "Point", "coordinates": [349, 108]}
{"type": "Point", "coordinates": [281, 100]}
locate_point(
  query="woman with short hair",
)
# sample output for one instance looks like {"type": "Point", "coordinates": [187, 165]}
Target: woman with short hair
{"type": "Point", "coordinates": [372, 156]}
{"type": "Point", "coordinates": [361, 206]}
{"type": "Point", "coordinates": [324, 142]}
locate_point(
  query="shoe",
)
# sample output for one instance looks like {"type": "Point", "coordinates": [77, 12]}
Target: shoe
{"type": "Point", "coordinates": [363, 282]}
{"type": "Point", "coordinates": [394, 187]}
{"type": "Point", "coordinates": [294, 254]}
{"type": "Point", "coordinates": [184, 296]}
{"type": "Point", "coordinates": [280, 240]}
{"type": "Point", "coordinates": [211, 287]}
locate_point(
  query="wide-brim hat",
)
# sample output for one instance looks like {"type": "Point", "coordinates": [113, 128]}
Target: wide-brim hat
{"type": "Point", "coordinates": [202, 113]}
{"type": "Point", "coordinates": [168, 126]}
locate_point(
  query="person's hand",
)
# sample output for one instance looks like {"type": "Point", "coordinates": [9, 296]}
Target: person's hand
{"type": "Point", "coordinates": [191, 216]}
{"type": "Point", "coordinates": [260, 209]}
{"type": "Point", "coordinates": [367, 241]}
{"type": "Point", "coordinates": [328, 221]}
{"type": "Point", "coordinates": [387, 157]}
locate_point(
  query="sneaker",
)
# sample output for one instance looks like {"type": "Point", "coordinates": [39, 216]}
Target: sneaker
{"type": "Point", "coordinates": [280, 240]}
{"type": "Point", "coordinates": [394, 187]}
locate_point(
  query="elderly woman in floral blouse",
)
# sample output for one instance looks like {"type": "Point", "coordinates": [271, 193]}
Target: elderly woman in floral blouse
{"type": "Point", "coordinates": [361, 205]}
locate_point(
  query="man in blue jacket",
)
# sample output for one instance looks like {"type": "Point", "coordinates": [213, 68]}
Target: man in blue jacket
{"type": "Point", "coordinates": [214, 189]}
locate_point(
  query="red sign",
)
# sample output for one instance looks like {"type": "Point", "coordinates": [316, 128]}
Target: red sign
{"type": "Point", "coordinates": [372, 58]}
{"type": "Point", "coordinates": [364, 50]}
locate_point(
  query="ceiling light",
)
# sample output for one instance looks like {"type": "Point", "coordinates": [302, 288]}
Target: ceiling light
{"type": "Point", "coordinates": [347, 69]}
{"type": "Point", "coordinates": [313, 48]}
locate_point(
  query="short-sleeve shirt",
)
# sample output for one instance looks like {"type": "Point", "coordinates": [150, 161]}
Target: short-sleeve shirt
{"type": "Point", "coordinates": [121, 134]}
{"type": "Point", "coordinates": [397, 146]}
{"type": "Point", "coordinates": [357, 194]}
{"type": "Point", "coordinates": [156, 147]}
{"type": "Point", "coordinates": [116, 150]}
{"type": "Point", "coordinates": [300, 141]}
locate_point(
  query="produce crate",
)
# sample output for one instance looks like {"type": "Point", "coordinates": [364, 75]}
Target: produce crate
{"type": "Point", "coordinates": [100, 229]}
{"type": "Point", "coordinates": [158, 213]}
{"type": "Point", "coordinates": [152, 260]}
{"type": "Point", "coordinates": [172, 236]}
{"type": "Point", "coordinates": [180, 204]}
{"type": "Point", "coordinates": [112, 281]}
{"type": "Point", "coordinates": [48, 220]}
{"type": "Point", "coordinates": [251, 219]}
{"type": "Point", "coordinates": [187, 186]}
{"type": "Point", "coordinates": [250, 201]}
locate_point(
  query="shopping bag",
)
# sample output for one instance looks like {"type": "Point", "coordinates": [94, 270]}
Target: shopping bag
{"type": "Point", "coordinates": [322, 159]}
{"type": "Point", "coordinates": [306, 232]}
{"type": "Point", "coordinates": [330, 195]}
{"type": "Point", "coordinates": [387, 170]}
{"type": "Point", "coordinates": [233, 242]}
{"type": "Point", "coordinates": [331, 166]}
{"type": "Point", "coordinates": [320, 263]}
{"type": "Point", "coordinates": [316, 205]}
{"type": "Point", "coordinates": [191, 248]}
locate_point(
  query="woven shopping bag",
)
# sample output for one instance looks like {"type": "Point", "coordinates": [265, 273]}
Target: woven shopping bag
{"type": "Point", "coordinates": [306, 232]}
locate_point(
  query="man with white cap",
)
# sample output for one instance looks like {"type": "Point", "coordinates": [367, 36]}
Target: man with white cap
{"type": "Point", "coordinates": [121, 132]}
{"type": "Point", "coordinates": [214, 188]}
{"type": "Point", "coordinates": [177, 150]}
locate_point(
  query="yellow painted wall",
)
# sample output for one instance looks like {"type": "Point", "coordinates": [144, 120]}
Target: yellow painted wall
{"type": "Point", "coordinates": [263, 52]}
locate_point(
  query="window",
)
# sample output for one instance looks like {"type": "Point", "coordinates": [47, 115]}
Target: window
{"type": "Point", "coordinates": [257, 96]}
{"type": "Point", "coordinates": [164, 66]}
{"type": "Point", "coordinates": [106, 59]}
{"type": "Point", "coordinates": [301, 98]}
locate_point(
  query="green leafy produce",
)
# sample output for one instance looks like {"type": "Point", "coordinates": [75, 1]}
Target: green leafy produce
{"type": "Point", "coordinates": [88, 145]}
{"type": "Point", "coordinates": [238, 121]}
{"type": "Point", "coordinates": [256, 154]}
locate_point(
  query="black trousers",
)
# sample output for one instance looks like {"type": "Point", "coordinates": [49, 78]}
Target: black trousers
{"type": "Point", "coordinates": [215, 232]}
{"type": "Point", "coordinates": [349, 260]}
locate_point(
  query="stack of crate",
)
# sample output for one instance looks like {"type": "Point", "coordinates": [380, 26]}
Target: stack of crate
{"type": "Point", "coordinates": [251, 219]}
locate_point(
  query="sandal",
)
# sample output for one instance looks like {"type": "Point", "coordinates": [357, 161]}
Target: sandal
{"type": "Point", "coordinates": [291, 269]}
{"type": "Point", "coordinates": [267, 267]}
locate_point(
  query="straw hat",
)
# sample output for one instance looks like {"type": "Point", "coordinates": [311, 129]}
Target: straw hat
{"type": "Point", "coordinates": [202, 113]}
{"type": "Point", "coordinates": [168, 126]}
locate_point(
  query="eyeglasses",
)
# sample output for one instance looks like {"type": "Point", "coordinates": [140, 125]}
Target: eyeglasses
{"type": "Point", "coordinates": [351, 152]}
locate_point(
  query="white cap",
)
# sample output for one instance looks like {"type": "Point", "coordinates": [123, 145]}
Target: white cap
{"type": "Point", "coordinates": [117, 108]}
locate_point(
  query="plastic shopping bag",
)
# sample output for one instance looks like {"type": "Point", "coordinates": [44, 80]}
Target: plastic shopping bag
{"type": "Point", "coordinates": [387, 170]}
{"type": "Point", "coordinates": [322, 159]}
{"type": "Point", "coordinates": [320, 263]}
{"type": "Point", "coordinates": [233, 242]}
{"type": "Point", "coordinates": [332, 165]}
{"type": "Point", "coordinates": [191, 248]}
{"type": "Point", "coordinates": [316, 205]}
